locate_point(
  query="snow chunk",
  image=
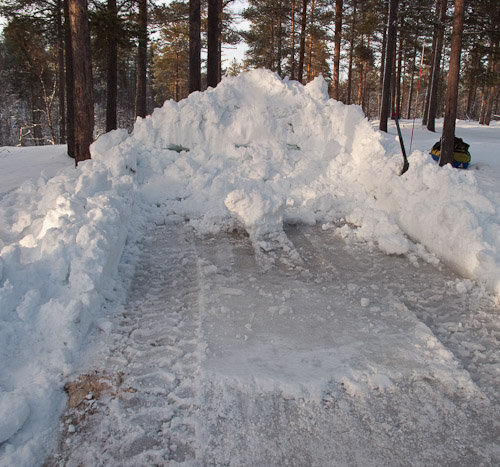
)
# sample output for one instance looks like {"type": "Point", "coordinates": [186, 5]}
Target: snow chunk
{"type": "Point", "coordinates": [261, 213]}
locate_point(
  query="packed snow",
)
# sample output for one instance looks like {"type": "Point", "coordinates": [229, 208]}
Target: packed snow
{"type": "Point", "coordinates": [259, 169]}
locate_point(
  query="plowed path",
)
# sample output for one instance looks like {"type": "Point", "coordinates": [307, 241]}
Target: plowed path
{"type": "Point", "coordinates": [322, 353]}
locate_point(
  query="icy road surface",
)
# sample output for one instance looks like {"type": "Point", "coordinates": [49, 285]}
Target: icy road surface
{"type": "Point", "coordinates": [328, 353]}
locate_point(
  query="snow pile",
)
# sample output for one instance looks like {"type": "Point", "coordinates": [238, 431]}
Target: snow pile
{"type": "Point", "coordinates": [444, 210]}
{"type": "Point", "coordinates": [255, 152]}
{"type": "Point", "coordinates": [261, 151]}
{"type": "Point", "coordinates": [61, 240]}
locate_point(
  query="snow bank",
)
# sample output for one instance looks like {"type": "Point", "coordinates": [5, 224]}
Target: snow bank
{"type": "Point", "coordinates": [444, 209]}
{"type": "Point", "coordinates": [60, 242]}
{"type": "Point", "coordinates": [255, 152]}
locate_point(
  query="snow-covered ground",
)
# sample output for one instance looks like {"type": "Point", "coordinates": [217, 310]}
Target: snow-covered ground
{"type": "Point", "coordinates": [19, 164]}
{"type": "Point", "coordinates": [253, 283]}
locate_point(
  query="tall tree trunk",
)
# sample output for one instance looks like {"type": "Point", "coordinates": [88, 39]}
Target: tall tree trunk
{"type": "Point", "coordinates": [433, 61]}
{"type": "Point", "coordinates": [389, 55]}
{"type": "Point", "coordinates": [382, 58]}
{"type": "Point", "coordinates": [302, 48]}
{"type": "Point", "coordinates": [412, 79]}
{"type": "Point", "coordinates": [399, 73]}
{"type": "Point", "coordinates": [492, 91]}
{"type": "Point", "coordinates": [213, 43]}
{"type": "Point", "coordinates": [310, 50]}
{"type": "Point", "coordinates": [70, 92]}
{"type": "Point", "coordinates": [436, 68]}
{"type": "Point", "coordinates": [142, 60]}
{"type": "Point", "coordinates": [361, 74]}
{"type": "Point", "coordinates": [271, 44]}
{"type": "Point", "coordinates": [450, 114]}
{"type": "Point", "coordinates": [471, 97]}
{"type": "Point", "coordinates": [112, 70]}
{"type": "Point", "coordinates": [484, 101]}
{"type": "Point", "coordinates": [292, 43]}
{"type": "Point", "coordinates": [351, 52]}
{"type": "Point", "coordinates": [280, 42]}
{"type": "Point", "coordinates": [176, 81]}
{"type": "Point", "coordinates": [219, 42]}
{"type": "Point", "coordinates": [194, 46]}
{"type": "Point", "coordinates": [497, 98]}
{"type": "Point", "coordinates": [336, 54]}
{"type": "Point", "coordinates": [491, 96]}
{"type": "Point", "coordinates": [61, 78]}
{"type": "Point", "coordinates": [393, 79]}
{"type": "Point", "coordinates": [365, 101]}
{"type": "Point", "coordinates": [82, 73]}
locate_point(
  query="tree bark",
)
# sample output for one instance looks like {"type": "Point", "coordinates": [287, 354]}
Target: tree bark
{"type": "Point", "coordinates": [492, 90]}
{"type": "Point", "coordinates": [336, 54]}
{"type": "Point", "coordinates": [279, 54]}
{"type": "Point", "coordinates": [292, 43]}
{"type": "Point", "coordinates": [389, 55]}
{"type": "Point", "coordinates": [436, 68]}
{"type": "Point", "coordinates": [471, 98]}
{"type": "Point", "coordinates": [82, 73]}
{"type": "Point", "coordinates": [484, 101]}
{"type": "Point", "coordinates": [412, 79]}
{"type": "Point", "coordinates": [70, 93]}
{"type": "Point", "coordinates": [361, 75]}
{"type": "Point", "coordinates": [393, 80]}
{"type": "Point", "coordinates": [399, 73]}
{"type": "Point", "coordinates": [112, 70]}
{"type": "Point", "coordinates": [219, 41]}
{"type": "Point", "coordinates": [142, 52]}
{"type": "Point", "coordinates": [213, 43]}
{"type": "Point", "coordinates": [310, 51]}
{"type": "Point", "coordinates": [302, 48]}
{"type": "Point", "coordinates": [61, 78]}
{"type": "Point", "coordinates": [351, 53]}
{"type": "Point", "coordinates": [382, 58]}
{"type": "Point", "coordinates": [194, 46]}
{"type": "Point", "coordinates": [428, 88]}
{"type": "Point", "coordinates": [450, 114]}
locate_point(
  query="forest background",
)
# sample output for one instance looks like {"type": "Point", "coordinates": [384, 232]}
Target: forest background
{"type": "Point", "coordinates": [346, 41]}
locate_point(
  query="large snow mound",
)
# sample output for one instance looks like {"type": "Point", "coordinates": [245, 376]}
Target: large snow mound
{"type": "Point", "coordinates": [262, 151]}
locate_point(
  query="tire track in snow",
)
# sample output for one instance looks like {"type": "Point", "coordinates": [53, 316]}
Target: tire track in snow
{"type": "Point", "coordinates": [150, 416]}
{"type": "Point", "coordinates": [320, 362]}
{"type": "Point", "coordinates": [171, 408]}
{"type": "Point", "coordinates": [461, 314]}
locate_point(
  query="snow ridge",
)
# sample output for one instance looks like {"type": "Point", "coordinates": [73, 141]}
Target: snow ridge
{"type": "Point", "coordinates": [155, 352]}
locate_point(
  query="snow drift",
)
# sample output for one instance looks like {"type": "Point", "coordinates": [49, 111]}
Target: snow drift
{"type": "Point", "coordinates": [255, 152]}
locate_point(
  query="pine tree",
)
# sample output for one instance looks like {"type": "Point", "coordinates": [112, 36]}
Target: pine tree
{"type": "Point", "coordinates": [436, 66]}
{"type": "Point", "coordinates": [142, 50]}
{"type": "Point", "coordinates": [448, 137]}
{"type": "Point", "coordinates": [82, 74]}
{"type": "Point", "coordinates": [389, 55]}
{"type": "Point", "coordinates": [339, 4]}
{"type": "Point", "coordinates": [171, 54]}
{"type": "Point", "coordinates": [194, 45]}
{"type": "Point", "coordinates": [213, 43]}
